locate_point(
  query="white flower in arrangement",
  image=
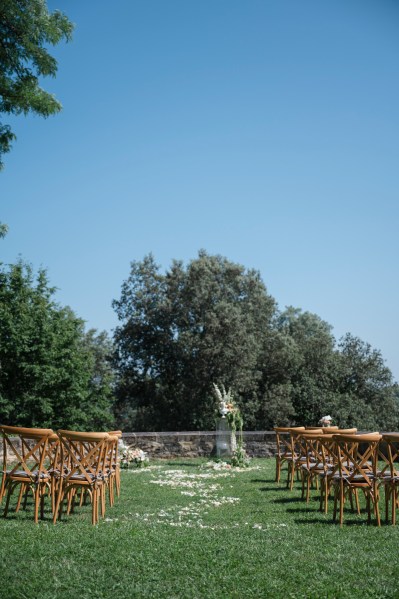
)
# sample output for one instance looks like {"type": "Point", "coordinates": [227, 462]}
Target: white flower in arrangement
{"type": "Point", "coordinates": [134, 456]}
{"type": "Point", "coordinates": [325, 421]}
{"type": "Point", "coordinates": [225, 399]}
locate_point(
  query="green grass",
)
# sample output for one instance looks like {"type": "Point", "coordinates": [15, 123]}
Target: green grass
{"type": "Point", "coordinates": [231, 536]}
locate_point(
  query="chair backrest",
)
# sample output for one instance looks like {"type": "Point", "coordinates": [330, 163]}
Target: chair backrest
{"type": "Point", "coordinates": [26, 449]}
{"type": "Point", "coordinates": [116, 433]}
{"type": "Point", "coordinates": [357, 457]}
{"type": "Point", "coordinates": [298, 443]}
{"type": "Point", "coordinates": [83, 455]}
{"type": "Point", "coordinates": [389, 452]}
{"type": "Point", "coordinates": [112, 459]}
{"type": "Point", "coordinates": [283, 438]}
{"type": "Point", "coordinates": [325, 428]}
{"type": "Point", "coordinates": [329, 430]}
{"type": "Point", "coordinates": [310, 448]}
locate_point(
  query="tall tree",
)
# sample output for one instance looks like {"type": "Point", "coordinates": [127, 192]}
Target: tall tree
{"type": "Point", "coordinates": [27, 28]}
{"type": "Point", "coordinates": [49, 372]}
{"type": "Point", "coordinates": [213, 321]}
{"type": "Point", "coordinates": [184, 330]}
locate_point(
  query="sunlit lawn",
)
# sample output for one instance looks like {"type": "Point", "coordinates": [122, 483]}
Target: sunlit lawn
{"type": "Point", "coordinates": [179, 530]}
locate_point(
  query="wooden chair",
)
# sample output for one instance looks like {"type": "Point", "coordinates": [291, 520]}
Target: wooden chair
{"type": "Point", "coordinates": [299, 454]}
{"type": "Point", "coordinates": [25, 464]}
{"type": "Point", "coordinates": [284, 449]}
{"type": "Point", "coordinates": [311, 460]}
{"type": "Point", "coordinates": [329, 459]}
{"type": "Point", "coordinates": [389, 474]}
{"type": "Point", "coordinates": [356, 469]}
{"type": "Point", "coordinates": [83, 466]}
{"type": "Point", "coordinates": [115, 463]}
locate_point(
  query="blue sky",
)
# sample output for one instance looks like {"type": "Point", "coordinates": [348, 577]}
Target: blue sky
{"type": "Point", "coordinates": [265, 131]}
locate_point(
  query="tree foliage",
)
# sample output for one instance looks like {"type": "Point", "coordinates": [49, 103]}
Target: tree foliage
{"type": "Point", "coordinates": [27, 28]}
{"type": "Point", "coordinates": [51, 372]}
{"type": "Point", "coordinates": [214, 322]}
{"type": "Point", "coordinates": [184, 330]}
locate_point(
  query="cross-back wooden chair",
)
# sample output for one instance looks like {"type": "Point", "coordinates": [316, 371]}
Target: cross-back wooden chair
{"type": "Point", "coordinates": [329, 458]}
{"type": "Point", "coordinates": [389, 473]}
{"type": "Point", "coordinates": [83, 461]}
{"type": "Point", "coordinates": [311, 464]}
{"type": "Point", "coordinates": [112, 466]}
{"type": "Point", "coordinates": [115, 463]}
{"type": "Point", "coordinates": [299, 454]}
{"type": "Point", "coordinates": [284, 448]}
{"type": "Point", "coordinates": [356, 469]}
{"type": "Point", "coordinates": [26, 465]}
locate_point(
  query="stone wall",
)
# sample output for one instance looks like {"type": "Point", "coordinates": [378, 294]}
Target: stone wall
{"type": "Point", "coordinates": [260, 444]}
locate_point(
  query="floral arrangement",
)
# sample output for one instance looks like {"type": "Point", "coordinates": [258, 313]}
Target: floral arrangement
{"type": "Point", "coordinates": [325, 421]}
{"type": "Point", "coordinates": [231, 412]}
{"type": "Point", "coordinates": [217, 465]}
{"type": "Point", "coordinates": [132, 456]}
{"type": "Point", "coordinates": [227, 408]}
{"type": "Point", "coordinates": [240, 458]}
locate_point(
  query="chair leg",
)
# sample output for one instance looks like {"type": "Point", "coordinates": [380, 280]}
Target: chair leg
{"type": "Point", "coordinates": [58, 504]}
{"type": "Point", "coordinates": [393, 499]}
{"type": "Point", "coordinates": [357, 501]}
{"type": "Point", "coordinates": [8, 484]}
{"type": "Point", "coordinates": [341, 503]}
{"type": "Point", "coordinates": [118, 482]}
{"type": "Point", "coordinates": [336, 491]}
{"type": "Point", "coordinates": [387, 492]}
{"type": "Point", "coordinates": [36, 494]}
{"type": "Point", "coordinates": [21, 492]}
{"type": "Point", "coordinates": [2, 487]}
{"type": "Point", "coordinates": [292, 476]}
{"type": "Point", "coordinates": [368, 508]}
{"type": "Point", "coordinates": [377, 511]}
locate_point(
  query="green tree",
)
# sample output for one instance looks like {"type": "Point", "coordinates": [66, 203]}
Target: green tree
{"type": "Point", "coordinates": [184, 330]}
{"type": "Point", "coordinates": [367, 386]}
{"type": "Point", "coordinates": [311, 378]}
{"type": "Point", "coordinates": [213, 321]}
{"type": "Point", "coordinates": [48, 368]}
{"type": "Point", "coordinates": [27, 28]}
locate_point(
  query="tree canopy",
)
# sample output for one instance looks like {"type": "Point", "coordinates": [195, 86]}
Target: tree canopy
{"type": "Point", "coordinates": [52, 373]}
{"type": "Point", "coordinates": [26, 29]}
{"type": "Point", "coordinates": [213, 321]}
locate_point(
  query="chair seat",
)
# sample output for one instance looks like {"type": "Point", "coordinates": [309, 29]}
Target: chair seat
{"type": "Point", "coordinates": [82, 477]}
{"type": "Point", "coordinates": [22, 474]}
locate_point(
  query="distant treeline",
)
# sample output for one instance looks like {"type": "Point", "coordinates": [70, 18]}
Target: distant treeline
{"type": "Point", "coordinates": [179, 332]}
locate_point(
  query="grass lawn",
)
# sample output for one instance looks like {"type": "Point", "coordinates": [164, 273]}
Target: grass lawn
{"type": "Point", "coordinates": [182, 531]}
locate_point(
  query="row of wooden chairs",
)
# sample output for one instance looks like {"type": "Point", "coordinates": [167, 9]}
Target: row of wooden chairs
{"type": "Point", "coordinates": [65, 466]}
{"type": "Point", "coordinates": [344, 461]}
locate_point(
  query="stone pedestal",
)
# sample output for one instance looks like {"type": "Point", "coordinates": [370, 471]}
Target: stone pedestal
{"type": "Point", "coordinates": [225, 439]}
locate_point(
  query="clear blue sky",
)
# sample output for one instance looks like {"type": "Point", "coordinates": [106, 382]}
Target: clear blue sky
{"type": "Point", "coordinates": [265, 131]}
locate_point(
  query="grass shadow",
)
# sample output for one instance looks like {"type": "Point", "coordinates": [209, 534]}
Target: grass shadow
{"type": "Point", "coordinates": [288, 500]}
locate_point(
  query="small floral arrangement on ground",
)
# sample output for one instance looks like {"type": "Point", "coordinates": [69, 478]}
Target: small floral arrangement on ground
{"type": "Point", "coordinates": [240, 458]}
{"type": "Point", "coordinates": [217, 465]}
{"type": "Point", "coordinates": [132, 456]}
{"type": "Point", "coordinates": [325, 421]}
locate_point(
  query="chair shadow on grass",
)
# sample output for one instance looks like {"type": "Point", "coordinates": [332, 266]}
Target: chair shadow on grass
{"type": "Point", "coordinates": [347, 521]}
